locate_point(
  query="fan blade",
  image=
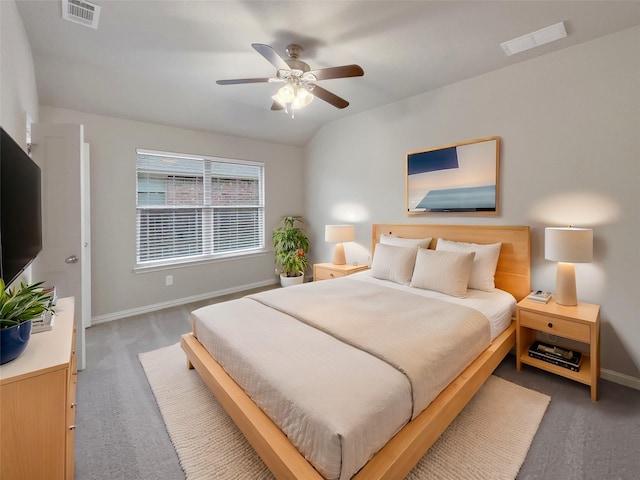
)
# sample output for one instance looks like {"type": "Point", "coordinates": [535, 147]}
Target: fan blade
{"type": "Point", "coordinates": [338, 72]}
{"type": "Point", "coordinates": [272, 57]}
{"type": "Point", "coordinates": [329, 97]}
{"type": "Point", "coordinates": [242, 80]}
{"type": "Point", "coordinates": [276, 106]}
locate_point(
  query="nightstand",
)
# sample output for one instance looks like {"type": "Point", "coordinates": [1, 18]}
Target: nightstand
{"type": "Point", "coordinates": [580, 323]}
{"type": "Point", "coordinates": [327, 271]}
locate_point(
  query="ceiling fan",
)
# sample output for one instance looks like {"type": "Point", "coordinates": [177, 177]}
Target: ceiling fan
{"type": "Point", "coordinates": [299, 80]}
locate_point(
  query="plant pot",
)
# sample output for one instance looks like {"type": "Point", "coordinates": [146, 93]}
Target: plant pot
{"type": "Point", "coordinates": [289, 281]}
{"type": "Point", "coordinates": [13, 341]}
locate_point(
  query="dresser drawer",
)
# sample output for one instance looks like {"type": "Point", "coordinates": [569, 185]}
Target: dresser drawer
{"type": "Point", "coordinates": [325, 274]}
{"type": "Point", "coordinates": [555, 326]}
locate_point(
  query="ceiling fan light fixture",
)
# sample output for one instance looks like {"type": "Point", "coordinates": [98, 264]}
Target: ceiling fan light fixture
{"type": "Point", "coordinates": [303, 98]}
{"type": "Point", "coordinates": [286, 94]}
{"type": "Point", "coordinates": [293, 97]}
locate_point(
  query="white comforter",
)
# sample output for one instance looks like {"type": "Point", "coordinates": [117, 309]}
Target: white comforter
{"type": "Point", "coordinates": [341, 366]}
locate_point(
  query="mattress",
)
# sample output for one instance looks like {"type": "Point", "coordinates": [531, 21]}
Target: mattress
{"type": "Point", "coordinates": [292, 351]}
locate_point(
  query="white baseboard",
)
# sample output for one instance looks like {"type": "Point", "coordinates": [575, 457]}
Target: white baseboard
{"type": "Point", "coordinates": [177, 302]}
{"type": "Point", "coordinates": [620, 378]}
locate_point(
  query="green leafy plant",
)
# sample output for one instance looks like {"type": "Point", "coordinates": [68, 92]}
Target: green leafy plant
{"type": "Point", "coordinates": [291, 246]}
{"type": "Point", "coordinates": [19, 305]}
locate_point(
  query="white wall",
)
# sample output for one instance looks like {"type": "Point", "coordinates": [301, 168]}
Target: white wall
{"type": "Point", "coordinates": [116, 289]}
{"type": "Point", "coordinates": [18, 95]}
{"type": "Point", "coordinates": [569, 125]}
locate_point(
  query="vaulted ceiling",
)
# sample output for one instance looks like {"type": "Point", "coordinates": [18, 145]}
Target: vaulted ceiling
{"type": "Point", "coordinates": [158, 61]}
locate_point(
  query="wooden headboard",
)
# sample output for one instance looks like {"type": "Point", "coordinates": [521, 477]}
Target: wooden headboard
{"type": "Point", "coordinates": [513, 273]}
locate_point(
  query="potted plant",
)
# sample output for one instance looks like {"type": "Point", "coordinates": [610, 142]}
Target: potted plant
{"type": "Point", "coordinates": [291, 246]}
{"type": "Point", "coordinates": [18, 307]}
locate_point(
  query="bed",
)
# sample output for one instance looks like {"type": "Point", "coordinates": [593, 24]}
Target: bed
{"type": "Point", "coordinates": [409, 429]}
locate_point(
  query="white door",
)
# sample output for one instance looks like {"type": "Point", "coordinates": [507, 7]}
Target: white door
{"type": "Point", "coordinates": [65, 257]}
{"type": "Point", "coordinates": [85, 236]}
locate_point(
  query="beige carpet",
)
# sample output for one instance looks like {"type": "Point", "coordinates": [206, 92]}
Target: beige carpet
{"type": "Point", "coordinates": [488, 440]}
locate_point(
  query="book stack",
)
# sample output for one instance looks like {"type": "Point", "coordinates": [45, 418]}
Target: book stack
{"type": "Point", "coordinates": [556, 355]}
{"type": "Point", "coordinates": [53, 295]}
{"type": "Point", "coordinates": [42, 324]}
{"type": "Point", "coordinates": [539, 296]}
{"type": "Point", "coordinates": [45, 322]}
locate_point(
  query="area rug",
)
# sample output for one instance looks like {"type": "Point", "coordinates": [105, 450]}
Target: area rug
{"type": "Point", "coordinates": [488, 440]}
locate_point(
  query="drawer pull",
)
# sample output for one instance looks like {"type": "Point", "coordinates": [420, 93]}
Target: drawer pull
{"type": "Point", "coordinates": [72, 427]}
{"type": "Point", "coordinates": [73, 405]}
{"type": "Point", "coordinates": [331, 275]}
{"type": "Point", "coordinates": [550, 325]}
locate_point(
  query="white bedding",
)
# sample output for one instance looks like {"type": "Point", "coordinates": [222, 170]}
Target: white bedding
{"type": "Point", "coordinates": [320, 391]}
{"type": "Point", "coordinates": [497, 305]}
{"type": "Point", "coordinates": [293, 371]}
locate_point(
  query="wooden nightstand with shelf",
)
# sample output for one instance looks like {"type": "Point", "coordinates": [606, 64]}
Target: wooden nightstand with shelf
{"type": "Point", "coordinates": [580, 323]}
{"type": "Point", "coordinates": [327, 271]}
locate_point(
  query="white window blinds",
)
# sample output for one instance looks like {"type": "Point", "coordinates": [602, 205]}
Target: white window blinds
{"type": "Point", "coordinates": [195, 208]}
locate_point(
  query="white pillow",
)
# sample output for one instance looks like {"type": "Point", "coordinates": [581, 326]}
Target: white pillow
{"type": "Point", "coordinates": [393, 263]}
{"type": "Point", "coordinates": [484, 264]}
{"type": "Point", "coordinates": [446, 272]}
{"type": "Point", "coordinates": [405, 242]}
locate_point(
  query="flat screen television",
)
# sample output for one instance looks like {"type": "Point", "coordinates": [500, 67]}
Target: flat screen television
{"type": "Point", "coordinates": [20, 209]}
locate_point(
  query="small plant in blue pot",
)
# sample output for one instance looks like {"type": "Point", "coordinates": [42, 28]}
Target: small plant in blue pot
{"type": "Point", "coordinates": [18, 307]}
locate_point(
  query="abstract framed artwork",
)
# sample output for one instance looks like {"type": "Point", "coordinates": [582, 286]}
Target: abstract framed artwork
{"type": "Point", "coordinates": [458, 178]}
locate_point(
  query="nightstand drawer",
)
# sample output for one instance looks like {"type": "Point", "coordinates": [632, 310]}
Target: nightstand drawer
{"type": "Point", "coordinates": [325, 274]}
{"type": "Point", "coordinates": [555, 326]}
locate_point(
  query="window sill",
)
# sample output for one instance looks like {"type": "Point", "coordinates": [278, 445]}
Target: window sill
{"type": "Point", "coordinates": [172, 265]}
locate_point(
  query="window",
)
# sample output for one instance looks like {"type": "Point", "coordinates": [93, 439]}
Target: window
{"type": "Point", "coordinates": [196, 208]}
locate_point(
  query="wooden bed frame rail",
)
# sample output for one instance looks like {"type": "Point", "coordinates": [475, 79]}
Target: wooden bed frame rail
{"type": "Point", "coordinates": [396, 459]}
{"type": "Point", "coordinates": [273, 446]}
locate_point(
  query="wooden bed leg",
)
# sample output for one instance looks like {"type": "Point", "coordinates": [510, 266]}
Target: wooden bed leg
{"type": "Point", "coordinates": [182, 345]}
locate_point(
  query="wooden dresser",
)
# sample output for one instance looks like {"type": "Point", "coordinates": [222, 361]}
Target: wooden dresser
{"type": "Point", "coordinates": [37, 404]}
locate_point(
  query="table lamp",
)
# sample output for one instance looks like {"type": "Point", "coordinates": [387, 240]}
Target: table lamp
{"type": "Point", "coordinates": [567, 246]}
{"type": "Point", "coordinates": [339, 234]}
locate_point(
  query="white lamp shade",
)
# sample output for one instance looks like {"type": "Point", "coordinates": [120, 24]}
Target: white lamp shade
{"type": "Point", "coordinates": [567, 246]}
{"type": "Point", "coordinates": [570, 245]}
{"type": "Point", "coordinates": [303, 98]}
{"type": "Point", "coordinates": [285, 95]}
{"type": "Point", "coordinates": [339, 233]}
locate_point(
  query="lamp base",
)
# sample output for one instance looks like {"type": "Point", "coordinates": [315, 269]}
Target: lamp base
{"type": "Point", "coordinates": [338, 255]}
{"type": "Point", "coordinates": [566, 285]}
